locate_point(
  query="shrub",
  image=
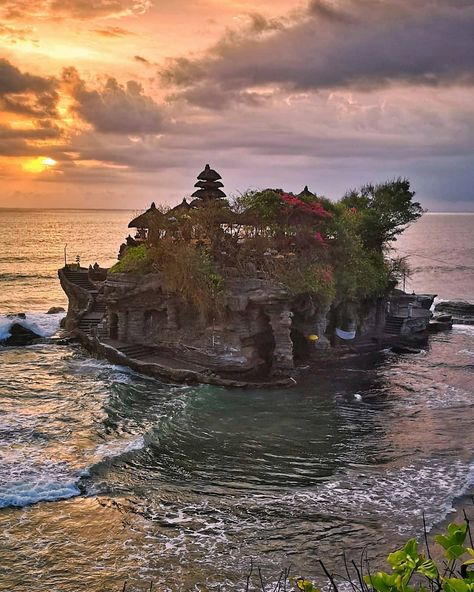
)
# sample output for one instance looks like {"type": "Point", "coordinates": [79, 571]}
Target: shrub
{"type": "Point", "coordinates": [188, 270]}
{"type": "Point", "coordinates": [312, 278]}
{"type": "Point", "coordinates": [134, 260]}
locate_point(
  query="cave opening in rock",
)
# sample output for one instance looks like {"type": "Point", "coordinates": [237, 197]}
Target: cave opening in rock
{"type": "Point", "coordinates": [113, 326]}
{"type": "Point", "coordinates": [152, 321]}
{"type": "Point", "coordinates": [301, 346]}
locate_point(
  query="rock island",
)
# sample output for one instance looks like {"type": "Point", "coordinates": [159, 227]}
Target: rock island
{"type": "Point", "coordinates": [253, 291]}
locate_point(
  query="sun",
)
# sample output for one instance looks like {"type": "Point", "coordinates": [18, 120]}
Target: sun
{"type": "Point", "coordinates": [38, 164]}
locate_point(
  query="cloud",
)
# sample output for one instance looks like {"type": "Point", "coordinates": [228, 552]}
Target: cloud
{"type": "Point", "coordinates": [114, 108]}
{"type": "Point", "coordinates": [362, 44]}
{"type": "Point", "coordinates": [80, 9]}
{"type": "Point", "coordinates": [15, 34]}
{"type": "Point", "coordinates": [26, 94]}
{"type": "Point", "coordinates": [112, 32]}
{"type": "Point", "coordinates": [142, 60]}
{"type": "Point", "coordinates": [39, 133]}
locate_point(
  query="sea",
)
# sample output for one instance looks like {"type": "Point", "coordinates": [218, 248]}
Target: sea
{"type": "Point", "coordinates": [113, 481]}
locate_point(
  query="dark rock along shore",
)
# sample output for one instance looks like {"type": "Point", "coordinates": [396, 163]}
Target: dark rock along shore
{"type": "Point", "coordinates": [462, 312]}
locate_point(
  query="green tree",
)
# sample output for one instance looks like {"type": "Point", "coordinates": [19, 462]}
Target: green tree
{"type": "Point", "coordinates": [384, 210]}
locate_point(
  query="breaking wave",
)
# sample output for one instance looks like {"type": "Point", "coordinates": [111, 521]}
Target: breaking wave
{"type": "Point", "coordinates": [24, 482]}
{"type": "Point", "coordinates": [45, 325]}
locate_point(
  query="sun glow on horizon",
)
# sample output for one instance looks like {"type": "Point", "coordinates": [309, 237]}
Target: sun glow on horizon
{"type": "Point", "coordinates": [38, 164]}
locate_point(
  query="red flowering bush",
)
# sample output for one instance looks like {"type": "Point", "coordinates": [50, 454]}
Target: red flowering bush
{"type": "Point", "coordinates": [319, 239]}
{"type": "Point", "coordinates": [314, 208]}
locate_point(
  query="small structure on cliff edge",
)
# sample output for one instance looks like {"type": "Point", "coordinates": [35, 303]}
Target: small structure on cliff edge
{"type": "Point", "coordinates": [218, 292]}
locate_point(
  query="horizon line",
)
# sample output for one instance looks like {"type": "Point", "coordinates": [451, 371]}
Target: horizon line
{"type": "Point", "coordinates": [134, 209]}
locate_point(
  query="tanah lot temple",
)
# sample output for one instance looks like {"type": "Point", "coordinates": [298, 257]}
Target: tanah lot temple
{"type": "Point", "coordinates": [259, 334]}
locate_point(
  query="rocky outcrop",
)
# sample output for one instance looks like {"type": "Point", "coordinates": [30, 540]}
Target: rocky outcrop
{"type": "Point", "coordinates": [462, 312]}
{"type": "Point", "coordinates": [20, 335]}
{"type": "Point", "coordinates": [259, 333]}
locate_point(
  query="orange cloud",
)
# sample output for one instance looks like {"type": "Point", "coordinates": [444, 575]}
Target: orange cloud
{"type": "Point", "coordinates": [112, 32]}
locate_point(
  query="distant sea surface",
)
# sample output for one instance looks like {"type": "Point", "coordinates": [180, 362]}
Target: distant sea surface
{"type": "Point", "coordinates": [107, 476]}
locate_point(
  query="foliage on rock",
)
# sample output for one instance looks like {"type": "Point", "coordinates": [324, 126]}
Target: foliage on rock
{"type": "Point", "coordinates": [304, 242]}
{"type": "Point", "coordinates": [135, 260]}
{"type": "Point", "coordinates": [189, 271]}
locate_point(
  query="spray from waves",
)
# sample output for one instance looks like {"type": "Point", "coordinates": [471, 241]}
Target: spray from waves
{"type": "Point", "coordinates": [117, 448]}
{"type": "Point", "coordinates": [42, 324]}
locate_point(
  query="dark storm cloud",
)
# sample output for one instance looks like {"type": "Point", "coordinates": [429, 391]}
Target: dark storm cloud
{"type": "Point", "coordinates": [115, 108]}
{"type": "Point", "coordinates": [13, 81]}
{"type": "Point", "coordinates": [26, 94]}
{"type": "Point", "coordinates": [364, 44]}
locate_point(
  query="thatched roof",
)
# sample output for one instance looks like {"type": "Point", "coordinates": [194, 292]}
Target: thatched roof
{"type": "Point", "coordinates": [181, 208]}
{"type": "Point", "coordinates": [149, 219]}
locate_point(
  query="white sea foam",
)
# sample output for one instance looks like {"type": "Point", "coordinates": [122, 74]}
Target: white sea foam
{"type": "Point", "coordinates": [397, 494]}
{"type": "Point", "coordinates": [23, 484]}
{"type": "Point", "coordinates": [24, 481]}
{"type": "Point", "coordinates": [119, 447]}
{"type": "Point", "coordinates": [42, 324]}
{"type": "Point", "coordinates": [465, 329]}
{"type": "Point", "coordinates": [468, 352]}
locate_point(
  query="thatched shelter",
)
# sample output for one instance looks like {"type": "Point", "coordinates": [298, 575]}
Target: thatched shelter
{"type": "Point", "coordinates": [149, 225]}
{"type": "Point", "coordinates": [149, 219]}
{"type": "Point", "coordinates": [182, 208]}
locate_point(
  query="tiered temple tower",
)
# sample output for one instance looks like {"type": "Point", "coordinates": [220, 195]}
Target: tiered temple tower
{"type": "Point", "coordinates": [208, 187]}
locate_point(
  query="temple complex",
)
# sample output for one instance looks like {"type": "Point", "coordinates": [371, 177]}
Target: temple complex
{"type": "Point", "coordinates": [250, 329]}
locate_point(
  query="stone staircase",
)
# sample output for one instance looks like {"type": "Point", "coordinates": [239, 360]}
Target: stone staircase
{"type": "Point", "coordinates": [136, 351]}
{"type": "Point", "coordinates": [393, 325]}
{"type": "Point", "coordinates": [89, 322]}
{"type": "Point", "coordinates": [80, 278]}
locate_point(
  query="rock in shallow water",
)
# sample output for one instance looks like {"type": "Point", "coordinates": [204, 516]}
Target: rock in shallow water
{"type": "Point", "coordinates": [20, 335]}
{"type": "Point", "coordinates": [462, 312]}
{"type": "Point", "coordinates": [55, 310]}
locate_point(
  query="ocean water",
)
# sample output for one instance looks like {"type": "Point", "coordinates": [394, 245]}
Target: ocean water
{"type": "Point", "coordinates": [107, 476]}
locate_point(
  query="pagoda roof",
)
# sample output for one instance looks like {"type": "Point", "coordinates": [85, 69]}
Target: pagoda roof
{"type": "Point", "coordinates": [209, 193]}
{"type": "Point", "coordinates": [208, 184]}
{"type": "Point", "coordinates": [209, 174]}
{"type": "Point", "coordinates": [148, 219]}
{"type": "Point", "coordinates": [201, 203]}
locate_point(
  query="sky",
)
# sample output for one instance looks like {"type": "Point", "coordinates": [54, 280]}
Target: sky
{"type": "Point", "coordinates": [115, 103]}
